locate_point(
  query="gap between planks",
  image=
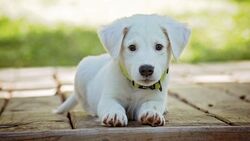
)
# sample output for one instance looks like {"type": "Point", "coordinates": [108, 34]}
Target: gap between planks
{"type": "Point", "coordinates": [226, 108]}
{"type": "Point", "coordinates": [61, 96]}
{"type": "Point", "coordinates": [5, 102]}
{"type": "Point", "coordinates": [3, 111]}
{"type": "Point", "coordinates": [33, 113]}
{"type": "Point", "coordinates": [175, 117]}
{"type": "Point", "coordinates": [175, 95]}
{"type": "Point", "coordinates": [239, 90]}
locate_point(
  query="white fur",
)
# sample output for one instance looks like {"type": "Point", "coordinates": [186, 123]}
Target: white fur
{"type": "Point", "coordinates": [102, 88]}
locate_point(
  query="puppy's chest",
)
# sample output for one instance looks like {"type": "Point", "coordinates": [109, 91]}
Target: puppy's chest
{"type": "Point", "coordinates": [134, 101]}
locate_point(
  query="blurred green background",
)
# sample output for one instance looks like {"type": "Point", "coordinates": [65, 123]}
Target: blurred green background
{"type": "Point", "coordinates": [216, 36]}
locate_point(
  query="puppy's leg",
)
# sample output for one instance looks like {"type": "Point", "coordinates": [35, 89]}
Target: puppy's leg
{"type": "Point", "coordinates": [111, 113]}
{"type": "Point", "coordinates": [67, 105]}
{"type": "Point", "coordinates": [151, 113]}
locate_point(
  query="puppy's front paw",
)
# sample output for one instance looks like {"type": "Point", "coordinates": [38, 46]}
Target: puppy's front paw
{"type": "Point", "coordinates": [115, 119]}
{"type": "Point", "coordinates": [152, 118]}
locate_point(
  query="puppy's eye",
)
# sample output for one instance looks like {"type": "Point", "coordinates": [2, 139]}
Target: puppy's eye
{"type": "Point", "coordinates": [158, 47]}
{"type": "Point", "coordinates": [132, 48]}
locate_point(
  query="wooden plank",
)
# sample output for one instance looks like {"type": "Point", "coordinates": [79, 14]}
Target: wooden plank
{"type": "Point", "coordinates": [27, 93]}
{"type": "Point", "coordinates": [198, 75]}
{"type": "Point", "coordinates": [5, 94]}
{"type": "Point", "coordinates": [7, 75]}
{"type": "Point", "coordinates": [26, 74]}
{"type": "Point", "coordinates": [238, 71]}
{"type": "Point", "coordinates": [2, 104]}
{"type": "Point", "coordinates": [33, 104]}
{"type": "Point", "coordinates": [211, 78]}
{"type": "Point", "coordinates": [181, 114]}
{"type": "Point", "coordinates": [221, 105]}
{"type": "Point", "coordinates": [225, 67]}
{"type": "Point", "coordinates": [33, 93]}
{"type": "Point", "coordinates": [240, 90]}
{"type": "Point", "coordinates": [242, 76]}
{"type": "Point", "coordinates": [35, 83]}
{"type": "Point", "coordinates": [67, 89]}
{"type": "Point", "coordinates": [65, 75]}
{"type": "Point", "coordinates": [10, 75]}
{"type": "Point", "coordinates": [79, 118]}
{"type": "Point", "coordinates": [32, 114]}
{"type": "Point", "coordinates": [186, 133]}
{"type": "Point", "coordinates": [213, 72]}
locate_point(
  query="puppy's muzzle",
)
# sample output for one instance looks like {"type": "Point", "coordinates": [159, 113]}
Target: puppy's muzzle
{"type": "Point", "coordinates": [146, 70]}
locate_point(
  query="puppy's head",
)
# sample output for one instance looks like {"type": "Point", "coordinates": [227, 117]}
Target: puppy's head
{"type": "Point", "coordinates": [143, 44]}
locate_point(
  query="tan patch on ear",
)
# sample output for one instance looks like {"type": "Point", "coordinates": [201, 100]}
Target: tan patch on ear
{"type": "Point", "coordinates": [166, 34]}
{"type": "Point", "coordinates": [168, 45]}
{"type": "Point", "coordinates": [125, 31]}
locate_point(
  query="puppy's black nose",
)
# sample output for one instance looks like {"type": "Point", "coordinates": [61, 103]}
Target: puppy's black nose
{"type": "Point", "coordinates": [146, 70]}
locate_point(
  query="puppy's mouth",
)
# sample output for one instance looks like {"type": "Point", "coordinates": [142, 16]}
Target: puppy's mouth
{"type": "Point", "coordinates": [146, 82]}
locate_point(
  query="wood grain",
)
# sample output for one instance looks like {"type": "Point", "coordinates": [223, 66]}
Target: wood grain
{"type": "Point", "coordinates": [5, 94]}
{"type": "Point", "coordinates": [181, 114]}
{"type": "Point", "coordinates": [39, 83]}
{"type": "Point", "coordinates": [210, 72]}
{"type": "Point", "coordinates": [65, 75]}
{"type": "Point", "coordinates": [2, 104]}
{"type": "Point", "coordinates": [221, 105]}
{"type": "Point", "coordinates": [7, 75]}
{"type": "Point", "coordinates": [79, 118]}
{"type": "Point", "coordinates": [32, 114]}
{"type": "Point", "coordinates": [25, 74]}
{"type": "Point", "coordinates": [186, 133]}
{"type": "Point", "coordinates": [33, 93]}
{"type": "Point", "coordinates": [203, 111]}
{"type": "Point", "coordinates": [240, 90]}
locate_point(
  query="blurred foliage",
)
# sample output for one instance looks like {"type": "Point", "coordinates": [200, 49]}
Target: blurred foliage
{"type": "Point", "coordinates": [221, 36]}
{"type": "Point", "coordinates": [24, 44]}
{"type": "Point", "coordinates": [217, 37]}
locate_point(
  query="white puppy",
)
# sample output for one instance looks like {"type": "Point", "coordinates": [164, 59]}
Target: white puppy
{"type": "Point", "coordinates": [130, 82]}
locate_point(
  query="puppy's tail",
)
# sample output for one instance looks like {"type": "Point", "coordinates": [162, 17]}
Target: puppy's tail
{"type": "Point", "coordinates": [67, 105]}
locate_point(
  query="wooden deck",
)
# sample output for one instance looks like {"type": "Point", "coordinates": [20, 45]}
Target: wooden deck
{"type": "Point", "coordinates": [206, 102]}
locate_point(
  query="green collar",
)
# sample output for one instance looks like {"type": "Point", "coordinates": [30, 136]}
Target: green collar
{"type": "Point", "coordinates": [157, 85]}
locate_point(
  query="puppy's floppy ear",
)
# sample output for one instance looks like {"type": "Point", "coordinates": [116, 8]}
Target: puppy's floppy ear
{"type": "Point", "coordinates": [178, 35]}
{"type": "Point", "coordinates": [112, 36]}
